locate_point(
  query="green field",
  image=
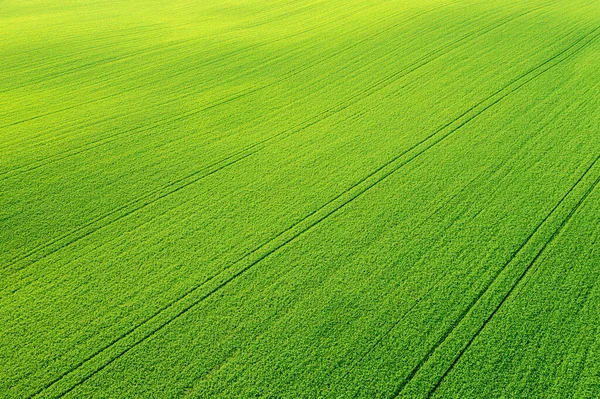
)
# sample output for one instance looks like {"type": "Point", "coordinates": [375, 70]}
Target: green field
{"type": "Point", "coordinates": [300, 198]}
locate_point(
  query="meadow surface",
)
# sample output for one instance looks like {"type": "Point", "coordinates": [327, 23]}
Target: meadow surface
{"type": "Point", "coordinates": [299, 198]}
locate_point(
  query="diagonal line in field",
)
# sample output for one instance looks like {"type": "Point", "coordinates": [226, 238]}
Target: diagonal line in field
{"type": "Point", "coordinates": [520, 278]}
{"type": "Point", "coordinates": [473, 303]}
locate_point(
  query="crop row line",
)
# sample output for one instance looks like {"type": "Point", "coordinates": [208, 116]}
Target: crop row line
{"type": "Point", "coordinates": [397, 322]}
{"type": "Point", "coordinates": [110, 137]}
{"type": "Point", "coordinates": [452, 198]}
{"type": "Point", "coordinates": [421, 223]}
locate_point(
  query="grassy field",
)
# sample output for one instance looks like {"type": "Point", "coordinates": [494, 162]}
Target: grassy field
{"type": "Point", "coordinates": [300, 198]}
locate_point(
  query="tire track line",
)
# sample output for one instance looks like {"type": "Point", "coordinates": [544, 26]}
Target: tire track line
{"type": "Point", "coordinates": [192, 297]}
{"type": "Point", "coordinates": [311, 121]}
{"type": "Point", "coordinates": [525, 271]}
{"type": "Point", "coordinates": [106, 43]}
{"type": "Point", "coordinates": [449, 331]}
{"type": "Point", "coordinates": [383, 336]}
{"type": "Point", "coordinates": [486, 289]}
{"type": "Point", "coordinates": [285, 271]}
{"type": "Point", "coordinates": [140, 203]}
{"type": "Point", "coordinates": [57, 157]}
{"type": "Point", "coordinates": [123, 211]}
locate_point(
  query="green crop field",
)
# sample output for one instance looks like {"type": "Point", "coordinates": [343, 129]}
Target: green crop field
{"type": "Point", "coordinates": [300, 198]}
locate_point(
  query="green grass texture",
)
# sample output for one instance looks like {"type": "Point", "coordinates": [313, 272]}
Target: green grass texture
{"type": "Point", "coordinates": [299, 199]}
